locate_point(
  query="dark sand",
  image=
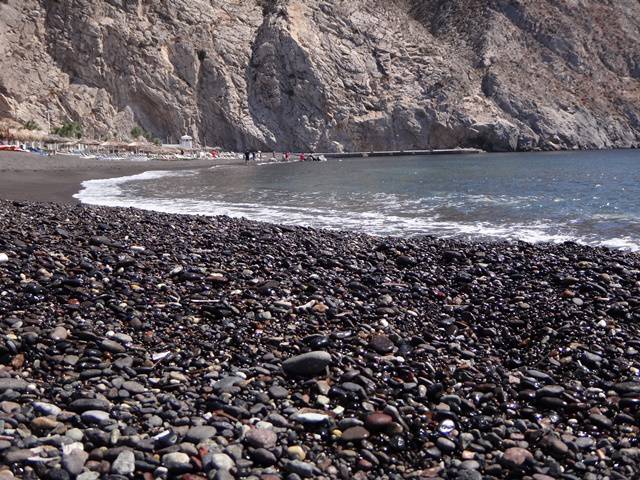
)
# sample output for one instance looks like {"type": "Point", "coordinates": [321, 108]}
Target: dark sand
{"type": "Point", "coordinates": [30, 177]}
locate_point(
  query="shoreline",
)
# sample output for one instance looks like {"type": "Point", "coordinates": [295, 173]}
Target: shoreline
{"type": "Point", "coordinates": [31, 177]}
{"type": "Point", "coordinates": [231, 348]}
{"type": "Point", "coordinates": [60, 179]}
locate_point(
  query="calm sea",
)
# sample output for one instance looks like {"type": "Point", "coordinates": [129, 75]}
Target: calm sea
{"type": "Point", "coordinates": [588, 197]}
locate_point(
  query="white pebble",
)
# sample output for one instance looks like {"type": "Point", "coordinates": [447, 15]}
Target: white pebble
{"type": "Point", "coordinates": [4, 258]}
{"type": "Point", "coordinates": [67, 449]}
{"type": "Point", "coordinates": [310, 417]}
{"type": "Point", "coordinates": [159, 356]}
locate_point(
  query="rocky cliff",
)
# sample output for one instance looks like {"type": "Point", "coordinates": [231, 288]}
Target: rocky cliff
{"type": "Point", "coordinates": [330, 75]}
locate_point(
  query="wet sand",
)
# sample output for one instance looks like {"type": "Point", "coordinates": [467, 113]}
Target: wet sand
{"type": "Point", "coordinates": [30, 177]}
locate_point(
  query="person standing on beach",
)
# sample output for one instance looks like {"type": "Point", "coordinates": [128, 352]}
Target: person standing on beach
{"type": "Point", "coordinates": [246, 156]}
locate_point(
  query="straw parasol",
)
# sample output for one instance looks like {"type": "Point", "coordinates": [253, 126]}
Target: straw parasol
{"type": "Point", "coordinates": [12, 130]}
{"type": "Point", "coordinates": [114, 145]}
{"type": "Point", "coordinates": [7, 127]}
{"type": "Point", "coordinates": [53, 138]}
{"type": "Point", "coordinates": [24, 135]}
{"type": "Point", "coordinates": [137, 145]}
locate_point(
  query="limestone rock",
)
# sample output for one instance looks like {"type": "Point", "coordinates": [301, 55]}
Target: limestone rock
{"type": "Point", "coordinates": [329, 76]}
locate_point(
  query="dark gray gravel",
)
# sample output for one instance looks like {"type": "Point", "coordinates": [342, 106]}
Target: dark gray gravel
{"type": "Point", "coordinates": [144, 345]}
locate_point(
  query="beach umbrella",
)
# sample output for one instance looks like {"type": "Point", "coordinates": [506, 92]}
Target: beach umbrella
{"type": "Point", "coordinates": [24, 135]}
{"type": "Point", "coordinates": [55, 139]}
{"type": "Point", "coordinates": [8, 128]}
{"type": "Point", "coordinates": [113, 145]}
{"type": "Point", "coordinates": [137, 145]}
{"type": "Point", "coordinates": [91, 144]}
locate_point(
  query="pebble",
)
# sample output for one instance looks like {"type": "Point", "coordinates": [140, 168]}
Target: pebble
{"type": "Point", "coordinates": [112, 346]}
{"type": "Point", "coordinates": [16, 384]}
{"type": "Point", "coordinates": [406, 261]}
{"type": "Point", "coordinates": [47, 408]}
{"type": "Point", "coordinates": [285, 352]}
{"type": "Point", "coordinates": [468, 474]}
{"type": "Point", "coordinates": [311, 417]}
{"type": "Point", "coordinates": [378, 421]}
{"type": "Point", "coordinates": [95, 416]}
{"type": "Point", "coordinates": [261, 438]}
{"type": "Point", "coordinates": [133, 387]}
{"type": "Point", "coordinates": [550, 391]}
{"type": "Point", "coordinates": [307, 364]}
{"type": "Point", "coordinates": [44, 423]}
{"type": "Point", "coordinates": [600, 421]}
{"type": "Point", "coordinates": [516, 457]}
{"type": "Point", "coordinates": [278, 393]}
{"type": "Point", "coordinates": [124, 464]}
{"type": "Point", "coordinates": [88, 476]}
{"type": "Point", "coordinates": [75, 434]}
{"type": "Point", "coordinates": [445, 444]}
{"type": "Point", "coordinates": [304, 469]}
{"type": "Point", "coordinates": [382, 344]}
{"type": "Point", "coordinates": [17, 455]}
{"type": "Point", "coordinates": [222, 461]}
{"type": "Point", "coordinates": [84, 404]}
{"type": "Point", "coordinates": [355, 434]}
{"type": "Point", "coordinates": [59, 333]}
{"type": "Point", "coordinates": [555, 446]}
{"type": "Point", "coordinates": [171, 460]}
{"type": "Point", "coordinates": [200, 434]}
{"type": "Point", "coordinates": [263, 457]}
{"type": "Point", "coordinates": [74, 461]}
{"type": "Point", "coordinates": [626, 388]}
{"type": "Point", "coordinates": [296, 452]}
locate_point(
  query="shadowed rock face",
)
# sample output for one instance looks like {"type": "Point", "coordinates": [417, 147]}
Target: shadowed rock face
{"type": "Point", "coordinates": [330, 75]}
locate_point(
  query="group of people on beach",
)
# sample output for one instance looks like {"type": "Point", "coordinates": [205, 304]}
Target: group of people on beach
{"type": "Point", "coordinates": [250, 155]}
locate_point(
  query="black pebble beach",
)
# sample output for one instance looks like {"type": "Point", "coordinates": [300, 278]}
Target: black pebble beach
{"type": "Point", "coordinates": [145, 345]}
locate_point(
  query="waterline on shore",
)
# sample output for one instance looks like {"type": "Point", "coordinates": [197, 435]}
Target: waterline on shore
{"type": "Point", "coordinates": [383, 222]}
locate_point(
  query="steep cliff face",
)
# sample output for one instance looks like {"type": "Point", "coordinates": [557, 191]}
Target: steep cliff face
{"type": "Point", "coordinates": [330, 75]}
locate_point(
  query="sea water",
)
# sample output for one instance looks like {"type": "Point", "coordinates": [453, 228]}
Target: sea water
{"type": "Point", "coordinates": [586, 197]}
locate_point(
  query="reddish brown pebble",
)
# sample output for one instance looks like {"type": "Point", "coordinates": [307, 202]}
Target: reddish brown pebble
{"type": "Point", "coordinates": [378, 421]}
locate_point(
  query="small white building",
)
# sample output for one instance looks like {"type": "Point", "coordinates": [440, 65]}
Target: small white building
{"type": "Point", "coordinates": [186, 142]}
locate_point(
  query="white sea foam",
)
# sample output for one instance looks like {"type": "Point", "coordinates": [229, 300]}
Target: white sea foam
{"type": "Point", "coordinates": [383, 218]}
{"type": "Point", "coordinates": [621, 243]}
{"type": "Point", "coordinates": [108, 192]}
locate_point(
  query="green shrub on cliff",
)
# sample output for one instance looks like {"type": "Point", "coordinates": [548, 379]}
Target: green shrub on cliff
{"type": "Point", "coordinates": [31, 125]}
{"type": "Point", "coordinates": [137, 132]}
{"type": "Point", "coordinates": [70, 130]}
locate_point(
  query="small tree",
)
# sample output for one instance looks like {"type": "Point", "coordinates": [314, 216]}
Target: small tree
{"type": "Point", "coordinates": [136, 132]}
{"type": "Point", "coordinates": [70, 130]}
